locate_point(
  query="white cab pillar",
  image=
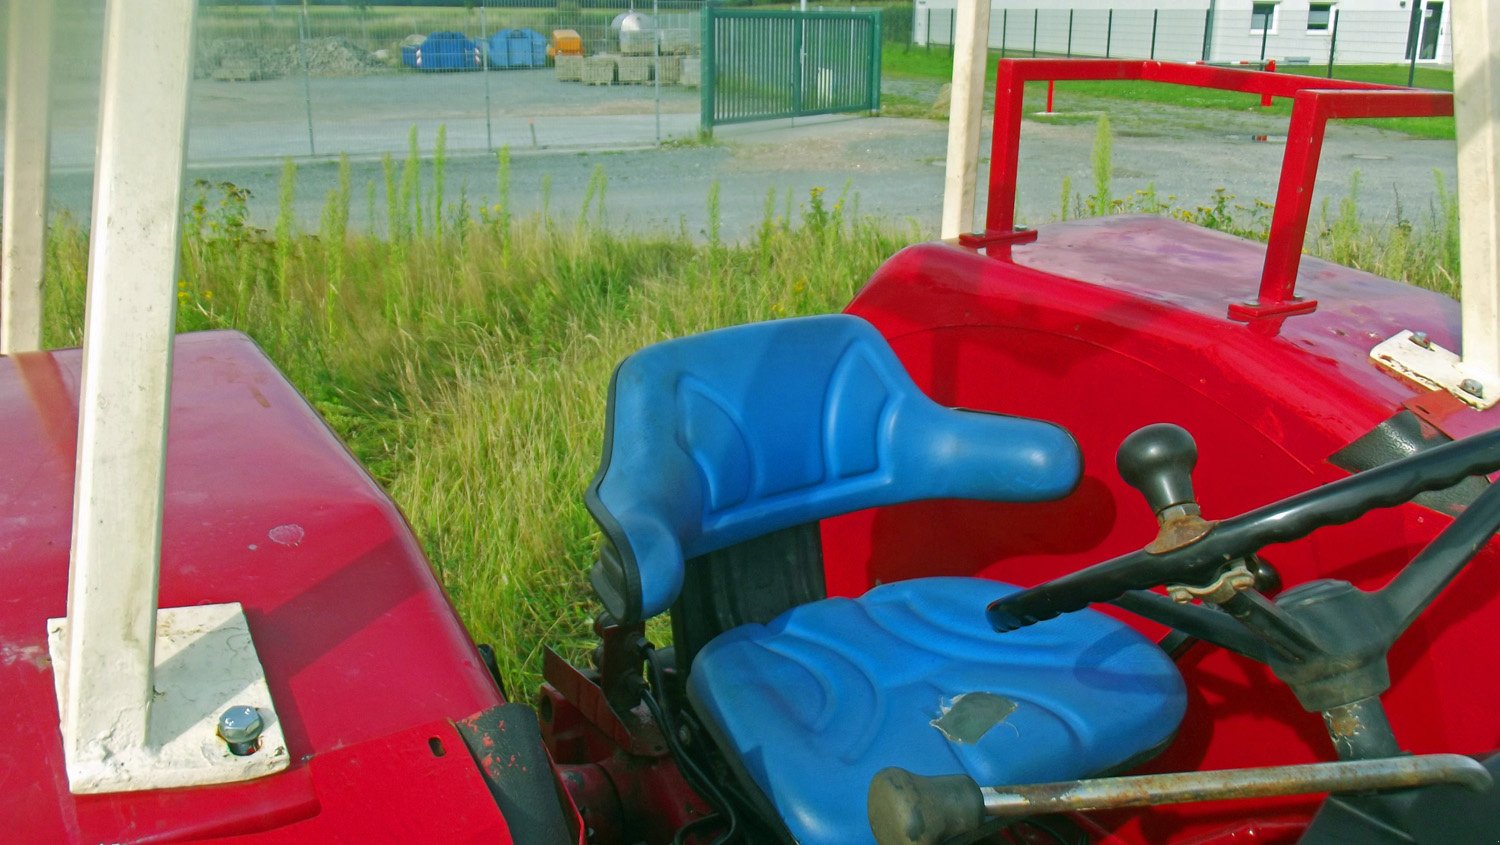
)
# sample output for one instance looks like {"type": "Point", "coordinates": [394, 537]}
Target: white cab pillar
{"type": "Point", "coordinates": [1474, 374]}
{"type": "Point", "coordinates": [139, 697]}
{"type": "Point", "coordinates": [965, 108]}
{"type": "Point", "coordinates": [23, 239]}
{"type": "Point", "coordinates": [1476, 109]}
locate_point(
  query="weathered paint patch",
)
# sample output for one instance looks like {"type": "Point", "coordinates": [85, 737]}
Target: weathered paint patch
{"type": "Point", "coordinates": [11, 654]}
{"type": "Point", "coordinates": [968, 717]}
{"type": "Point", "coordinates": [287, 535]}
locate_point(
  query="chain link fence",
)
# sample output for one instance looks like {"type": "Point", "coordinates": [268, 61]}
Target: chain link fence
{"type": "Point", "coordinates": [279, 79]}
{"type": "Point", "coordinates": [1288, 33]}
{"type": "Point", "coordinates": [274, 80]}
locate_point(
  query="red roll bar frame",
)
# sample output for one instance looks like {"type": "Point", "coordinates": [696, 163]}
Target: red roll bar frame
{"type": "Point", "coordinates": [1315, 102]}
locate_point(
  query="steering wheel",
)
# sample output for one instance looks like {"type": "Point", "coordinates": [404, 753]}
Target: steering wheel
{"type": "Point", "coordinates": [1326, 639]}
{"type": "Point", "coordinates": [1193, 553]}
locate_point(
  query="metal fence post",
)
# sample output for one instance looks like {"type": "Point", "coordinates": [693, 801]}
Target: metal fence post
{"type": "Point", "coordinates": [875, 48]}
{"type": "Point", "coordinates": [656, 63]}
{"type": "Point", "coordinates": [1004, 19]}
{"type": "Point", "coordinates": [1109, 32]}
{"type": "Point", "coordinates": [1070, 33]}
{"type": "Point", "coordinates": [706, 80]}
{"type": "Point", "coordinates": [1154, 14]}
{"type": "Point", "coordinates": [484, 35]}
{"type": "Point", "coordinates": [799, 75]}
{"type": "Point", "coordinates": [927, 33]}
{"type": "Point", "coordinates": [312, 148]}
{"type": "Point", "coordinates": [1208, 32]}
{"type": "Point", "coordinates": [952, 30]}
{"type": "Point", "coordinates": [1411, 70]}
{"type": "Point", "coordinates": [1333, 42]}
{"type": "Point", "coordinates": [1265, 33]}
{"type": "Point", "coordinates": [1036, 15]}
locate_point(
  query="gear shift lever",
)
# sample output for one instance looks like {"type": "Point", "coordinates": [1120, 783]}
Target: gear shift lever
{"type": "Point", "coordinates": [1158, 460]}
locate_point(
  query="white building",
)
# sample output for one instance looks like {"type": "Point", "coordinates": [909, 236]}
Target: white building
{"type": "Point", "coordinates": [1356, 31]}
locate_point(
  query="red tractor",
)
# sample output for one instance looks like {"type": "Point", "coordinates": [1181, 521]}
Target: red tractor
{"type": "Point", "coordinates": [937, 568]}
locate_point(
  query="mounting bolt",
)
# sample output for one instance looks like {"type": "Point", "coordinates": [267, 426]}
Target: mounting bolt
{"type": "Point", "coordinates": [1472, 387]}
{"type": "Point", "coordinates": [1420, 339]}
{"type": "Point", "coordinates": [240, 727]}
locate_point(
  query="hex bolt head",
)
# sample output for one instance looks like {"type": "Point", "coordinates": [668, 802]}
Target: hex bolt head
{"type": "Point", "coordinates": [1421, 339]}
{"type": "Point", "coordinates": [240, 726]}
{"type": "Point", "coordinates": [1472, 387]}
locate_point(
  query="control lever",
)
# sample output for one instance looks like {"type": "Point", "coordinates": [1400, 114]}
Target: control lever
{"type": "Point", "coordinates": [910, 809]}
{"type": "Point", "coordinates": [1158, 461]}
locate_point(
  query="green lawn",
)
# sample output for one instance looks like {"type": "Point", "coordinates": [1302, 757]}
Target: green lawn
{"type": "Point", "coordinates": [937, 65]}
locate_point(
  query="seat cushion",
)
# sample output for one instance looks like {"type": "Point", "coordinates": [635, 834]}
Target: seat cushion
{"type": "Point", "coordinates": [910, 675]}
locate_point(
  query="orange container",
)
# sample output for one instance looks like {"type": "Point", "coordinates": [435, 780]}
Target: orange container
{"type": "Point", "coordinates": [565, 42]}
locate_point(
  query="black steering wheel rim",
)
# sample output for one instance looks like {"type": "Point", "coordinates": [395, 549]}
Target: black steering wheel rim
{"type": "Point", "coordinates": [1201, 562]}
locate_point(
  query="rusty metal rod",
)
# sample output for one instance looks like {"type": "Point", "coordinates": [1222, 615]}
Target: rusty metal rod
{"type": "Point", "coordinates": [1227, 784]}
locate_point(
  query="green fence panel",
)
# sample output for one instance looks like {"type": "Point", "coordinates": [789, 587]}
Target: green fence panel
{"type": "Point", "coordinates": [767, 65]}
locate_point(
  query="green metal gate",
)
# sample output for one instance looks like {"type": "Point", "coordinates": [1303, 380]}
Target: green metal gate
{"type": "Point", "coordinates": [765, 65]}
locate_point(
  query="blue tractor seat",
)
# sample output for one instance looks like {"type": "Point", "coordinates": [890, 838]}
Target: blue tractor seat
{"type": "Point", "coordinates": [719, 438]}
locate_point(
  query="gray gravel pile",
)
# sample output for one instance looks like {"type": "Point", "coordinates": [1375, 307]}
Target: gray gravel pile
{"type": "Point", "coordinates": [238, 58]}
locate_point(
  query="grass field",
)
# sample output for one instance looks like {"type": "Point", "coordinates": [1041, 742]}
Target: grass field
{"type": "Point", "coordinates": [937, 65]}
{"type": "Point", "coordinates": [464, 358]}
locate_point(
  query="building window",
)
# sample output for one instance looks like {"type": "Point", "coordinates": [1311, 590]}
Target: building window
{"type": "Point", "coordinates": [1319, 16]}
{"type": "Point", "coordinates": [1262, 18]}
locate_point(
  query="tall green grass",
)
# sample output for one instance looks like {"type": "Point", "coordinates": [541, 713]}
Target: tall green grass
{"type": "Point", "coordinates": [464, 356]}
{"type": "Point", "coordinates": [466, 365]}
{"type": "Point", "coordinates": [1417, 246]}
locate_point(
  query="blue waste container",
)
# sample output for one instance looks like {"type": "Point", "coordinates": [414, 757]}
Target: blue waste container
{"type": "Point", "coordinates": [444, 51]}
{"type": "Point", "coordinates": [517, 48]}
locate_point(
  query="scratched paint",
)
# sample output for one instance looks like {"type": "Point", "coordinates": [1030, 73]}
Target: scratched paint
{"type": "Point", "coordinates": [36, 655]}
{"type": "Point", "coordinates": [968, 717]}
{"type": "Point", "coordinates": [287, 535]}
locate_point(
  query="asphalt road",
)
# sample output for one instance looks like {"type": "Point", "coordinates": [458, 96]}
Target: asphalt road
{"type": "Point", "coordinates": [887, 167]}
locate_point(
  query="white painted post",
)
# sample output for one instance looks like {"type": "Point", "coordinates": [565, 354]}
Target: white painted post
{"type": "Point", "coordinates": [970, 51]}
{"type": "Point", "coordinates": [1476, 94]}
{"type": "Point", "coordinates": [126, 685]}
{"type": "Point", "coordinates": [24, 235]}
{"type": "Point", "coordinates": [127, 364]}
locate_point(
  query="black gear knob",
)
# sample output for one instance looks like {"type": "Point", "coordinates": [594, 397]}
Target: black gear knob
{"type": "Point", "coordinates": [1158, 460]}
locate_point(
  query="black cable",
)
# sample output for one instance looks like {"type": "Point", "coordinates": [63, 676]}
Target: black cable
{"type": "Point", "coordinates": [721, 805]}
{"type": "Point", "coordinates": [685, 829]}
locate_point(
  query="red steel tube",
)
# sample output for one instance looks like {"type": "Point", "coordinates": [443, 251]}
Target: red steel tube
{"type": "Point", "coordinates": [1315, 102]}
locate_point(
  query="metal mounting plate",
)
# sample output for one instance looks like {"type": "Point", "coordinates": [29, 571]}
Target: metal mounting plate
{"type": "Point", "coordinates": [1435, 367]}
{"type": "Point", "coordinates": [205, 663]}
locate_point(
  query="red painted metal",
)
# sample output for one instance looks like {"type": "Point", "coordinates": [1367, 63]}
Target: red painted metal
{"type": "Point", "coordinates": [365, 657]}
{"type": "Point", "coordinates": [1100, 325]}
{"type": "Point", "coordinates": [1315, 102]}
{"type": "Point", "coordinates": [1266, 99]}
{"type": "Point", "coordinates": [993, 238]}
{"type": "Point", "coordinates": [621, 795]}
{"type": "Point", "coordinates": [1105, 325]}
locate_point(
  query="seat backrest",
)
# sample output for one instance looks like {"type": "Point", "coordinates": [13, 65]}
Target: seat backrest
{"type": "Point", "coordinates": [720, 437]}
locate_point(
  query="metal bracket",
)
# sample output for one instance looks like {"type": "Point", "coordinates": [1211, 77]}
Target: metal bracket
{"type": "Point", "coordinates": [205, 663]}
{"type": "Point", "coordinates": [1233, 580]}
{"type": "Point", "coordinates": [997, 237]}
{"type": "Point", "coordinates": [633, 730]}
{"type": "Point", "coordinates": [1413, 356]}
